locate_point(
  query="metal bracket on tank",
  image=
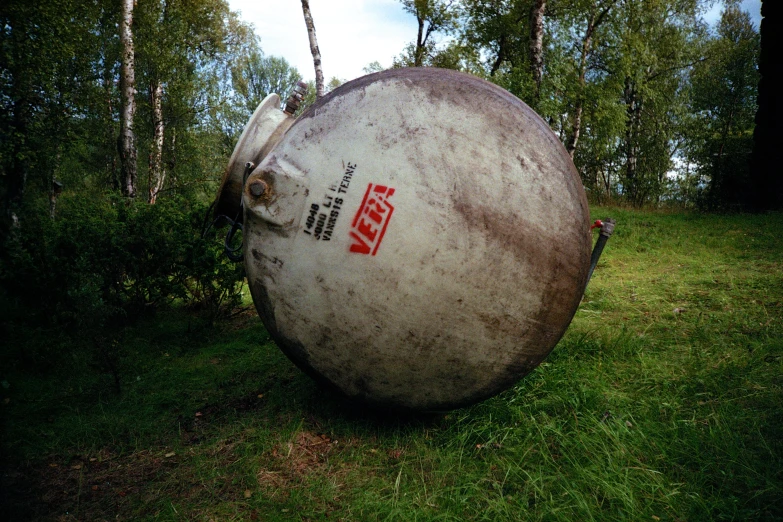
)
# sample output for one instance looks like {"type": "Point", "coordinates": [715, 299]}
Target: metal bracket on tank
{"type": "Point", "coordinates": [606, 229]}
{"type": "Point", "coordinates": [236, 223]}
{"type": "Point", "coordinates": [263, 131]}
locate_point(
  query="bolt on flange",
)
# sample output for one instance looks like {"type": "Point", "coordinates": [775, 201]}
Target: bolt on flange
{"type": "Point", "coordinates": [295, 100]}
{"type": "Point", "coordinates": [258, 188]}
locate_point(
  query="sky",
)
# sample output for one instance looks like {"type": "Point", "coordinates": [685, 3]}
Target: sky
{"type": "Point", "coordinates": [351, 33]}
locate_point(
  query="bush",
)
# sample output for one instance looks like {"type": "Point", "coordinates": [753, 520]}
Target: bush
{"type": "Point", "coordinates": [107, 261]}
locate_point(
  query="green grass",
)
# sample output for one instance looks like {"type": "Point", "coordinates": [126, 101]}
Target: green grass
{"type": "Point", "coordinates": [662, 402]}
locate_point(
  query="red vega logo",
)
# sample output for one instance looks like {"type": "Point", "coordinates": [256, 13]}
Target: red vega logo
{"type": "Point", "coordinates": [369, 224]}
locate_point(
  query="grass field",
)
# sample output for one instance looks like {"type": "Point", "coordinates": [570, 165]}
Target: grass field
{"type": "Point", "coordinates": [664, 401]}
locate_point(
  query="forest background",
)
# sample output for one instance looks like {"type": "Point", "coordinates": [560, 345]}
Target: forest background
{"type": "Point", "coordinates": [118, 119]}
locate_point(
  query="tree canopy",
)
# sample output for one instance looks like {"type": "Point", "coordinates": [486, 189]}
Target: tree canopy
{"type": "Point", "coordinates": [653, 104]}
{"type": "Point", "coordinates": [116, 124]}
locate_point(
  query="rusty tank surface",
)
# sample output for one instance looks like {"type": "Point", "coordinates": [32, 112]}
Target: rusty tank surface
{"type": "Point", "coordinates": [418, 238]}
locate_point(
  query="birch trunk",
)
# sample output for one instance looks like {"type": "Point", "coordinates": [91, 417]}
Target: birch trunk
{"type": "Point", "coordinates": [537, 43]}
{"type": "Point", "coordinates": [576, 126]}
{"type": "Point", "coordinates": [110, 159]}
{"type": "Point", "coordinates": [593, 23]}
{"type": "Point", "coordinates": [157, 174]}
{"type": "Point", "coordinates": [418, 59]}
{"type": "Point", "coordinates": [319, 73]}
{"type": "Point", "coordinates": [632, 127]}
{"type": "Point", "coordinates": [127, 142]}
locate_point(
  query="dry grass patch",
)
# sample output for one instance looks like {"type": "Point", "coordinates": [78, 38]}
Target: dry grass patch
{"type": "Point", "coordinates": [304, 459]}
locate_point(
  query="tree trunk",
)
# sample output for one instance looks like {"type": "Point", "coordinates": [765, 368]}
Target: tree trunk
{"type": "Point", "coordinates": [110, 156]}
{"type": "Point", "coordinates": [52, 204]}
{"type": "Point", "coordinates": [595, 20]}
{"type": "Point", "coordinates": [319, 74]}
{"type": "Point", "coordinates": [127, 143]}
{"type": "Point", "coordinates": [157, 174]}
{"type": "Point", "coordinates": [537, 43]}
{"type": "Point", "coordinates": [576, 126]}
{"type": "Point", "coordinates": [767, 183]}
{"type": "Point", "coordinates": [54, 192]}
{"type": "Point", "coordinates": [633, 106]}
{"type": "Point", "coordinates": [17, 174]}
{"type": "Point", "coordinates": [500, 57]}
{"type": "Point", "coordinates": [418, 59]}
{"type": "Point", "coordinates": [172, 162]}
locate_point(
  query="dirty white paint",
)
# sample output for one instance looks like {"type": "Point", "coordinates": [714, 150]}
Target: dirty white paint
{"type": "Point", "coordinates": [263, 131]}
{"type": "Point", "coordinates": [423, 241]}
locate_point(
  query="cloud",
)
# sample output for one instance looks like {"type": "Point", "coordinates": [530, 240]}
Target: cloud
{"type": "Point", "coordinates": [753, 7]}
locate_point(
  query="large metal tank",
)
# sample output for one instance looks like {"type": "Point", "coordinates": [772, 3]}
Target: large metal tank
{"type": "Point", "coordinates": [419, 238]}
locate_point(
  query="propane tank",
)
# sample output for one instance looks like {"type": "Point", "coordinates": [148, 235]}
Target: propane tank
{"type": "Point", "coordinates": [418, 238]}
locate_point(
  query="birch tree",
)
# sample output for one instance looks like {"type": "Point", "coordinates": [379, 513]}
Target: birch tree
{"type": "Point", "coordinates": [660, 45]}
{"type": "Point", "coordinates": [157, 174]}
{"type": "Point", "coordinates": [127, 141]}
{"type": "Point", "coordinates": [536, 46]}
{"type": "Point", "coordinates": [319, 73]}
{"type": "Point", "coordinates": [432, 16]}
{"type": "Point", "coordinates": [595, 16]}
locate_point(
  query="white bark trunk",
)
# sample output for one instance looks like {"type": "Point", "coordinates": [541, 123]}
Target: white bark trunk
{"type": "Point", "coordinates": [537, 42]}
{"type": "Point", "coordinates": [157, 174]}
{"type": "Point", "coordinates": [419, 58]}
{"type": "Point", "coordinates": [593, 22]}
{"type": "Point", "coordinates": [127, 143]}
{"type": "Point", "coordinates": [319, 73]}
{"type": "Point", "coordinates": [576, 128]}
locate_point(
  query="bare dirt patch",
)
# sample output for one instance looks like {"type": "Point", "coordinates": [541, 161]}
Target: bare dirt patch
{"type": "Point", "coordinates": [96, 487]}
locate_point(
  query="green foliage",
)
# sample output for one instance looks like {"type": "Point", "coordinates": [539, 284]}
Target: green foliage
{"type": "Point", "coordinates": [59, 70]}
{"type": "Point", "coordinates": [432, 17]}
{"type": "Point", "coordinates": [49, 71]}
{"type": "Point", "coordinates": [309, 97]}
{"type": "Point", "coordinates": [255, 76]}
{"type": "Point", "coordinates": [106, 261]}
{"type": "Point", "coordinates": [724, 107]}
{"type": "Point", "coordinates": [499, 30]}
{"type": "Point", "coordinates": [653, 108]}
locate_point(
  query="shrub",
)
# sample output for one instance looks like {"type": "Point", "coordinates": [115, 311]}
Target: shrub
{"type": "Point", "coordinates": [107, 261]}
